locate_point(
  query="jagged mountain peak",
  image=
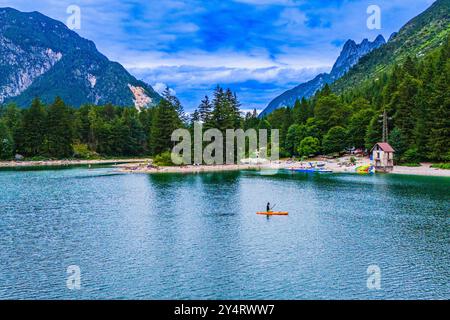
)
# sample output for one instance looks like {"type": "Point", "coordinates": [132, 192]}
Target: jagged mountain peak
{"type": "Point", "coordinates": [352, 52]}
{"type": "Point", "coordinates": [349, 44]}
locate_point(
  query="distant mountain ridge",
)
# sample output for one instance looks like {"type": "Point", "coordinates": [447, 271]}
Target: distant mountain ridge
{"type": "Point", "coordinates": [350, 55]}
{"type": "Point", "coordinates": [41, 57]}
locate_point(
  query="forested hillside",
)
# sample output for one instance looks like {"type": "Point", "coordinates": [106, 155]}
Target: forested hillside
{"type": "Point", "coordinates": [417, 38]}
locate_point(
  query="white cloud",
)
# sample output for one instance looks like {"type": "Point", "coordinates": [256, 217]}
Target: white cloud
{"type": "Point", "coordinates": [160, 87]}
{"type": "Point", "coordinates": [191, 76]}
{"type": "Point", "coordinates": [256, 59]}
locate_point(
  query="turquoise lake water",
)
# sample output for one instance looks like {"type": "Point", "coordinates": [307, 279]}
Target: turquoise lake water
{"type": "Point", "coordinates": [198, 237]}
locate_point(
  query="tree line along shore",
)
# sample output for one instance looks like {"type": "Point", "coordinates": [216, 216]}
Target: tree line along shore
{"type": "Point", "coordinates": [414, 94]}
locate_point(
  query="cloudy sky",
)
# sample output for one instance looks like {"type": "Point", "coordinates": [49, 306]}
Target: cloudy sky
{"type": "Point", "coordinates": [259, 48]}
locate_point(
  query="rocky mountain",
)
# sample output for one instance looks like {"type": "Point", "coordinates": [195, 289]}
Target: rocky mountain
{"type": "Point", "coordinates": [41, 57]}
{"type": "Point", "coordinates": [350, 56]}
{"type": "Point", "coordinates": [419, 36]}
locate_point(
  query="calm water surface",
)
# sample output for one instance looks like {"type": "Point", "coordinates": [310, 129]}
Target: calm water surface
{"type": "Point", "coordinates": [198, 237]}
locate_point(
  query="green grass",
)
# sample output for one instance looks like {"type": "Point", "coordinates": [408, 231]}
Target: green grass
{"type": "Point", "coordinates": [414, 165]}
{"type": "Point", "coordinates": [445, 166]}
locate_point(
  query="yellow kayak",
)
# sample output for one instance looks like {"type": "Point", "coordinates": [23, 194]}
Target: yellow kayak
{"type": "Point", "coordinates": [273, 213]}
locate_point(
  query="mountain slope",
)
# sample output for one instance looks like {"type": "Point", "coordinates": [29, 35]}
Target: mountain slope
{"type": "Point", "coordinates": [350, 55]}
{"type": "Point", "coordinates": [422, 34]}
{"type": "Point", "coordinates": [41, 57]}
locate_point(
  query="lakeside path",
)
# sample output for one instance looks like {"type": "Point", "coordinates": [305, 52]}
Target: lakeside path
{"type": "Point", "coordinates": [61, 163]}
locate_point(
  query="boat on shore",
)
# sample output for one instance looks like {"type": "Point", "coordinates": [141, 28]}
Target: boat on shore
{"type": "Point", "coordinates": [312, 170]}
{"type": "Point", "coordinates": [367, 169]}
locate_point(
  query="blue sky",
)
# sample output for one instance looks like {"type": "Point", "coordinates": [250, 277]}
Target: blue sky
{"type": "Point", "coordinates": [259, 48]}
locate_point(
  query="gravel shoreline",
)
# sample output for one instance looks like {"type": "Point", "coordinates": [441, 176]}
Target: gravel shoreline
{"type": "Point", "coordinates": [58, 163]}
{"type": "Point", "coordinates": [144, 166]}
{"type": "Point", "coordinates": [424, 170]}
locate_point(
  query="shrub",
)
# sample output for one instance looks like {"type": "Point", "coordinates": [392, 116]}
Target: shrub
{"type": "Point", "coordinates": [164, 159]}
{"type": "Point", "coordinates": [411, 165]}
{"type": "Point", "coordinates": [82, 151]}
{"type": "Point", "coordinates": [445, 166]}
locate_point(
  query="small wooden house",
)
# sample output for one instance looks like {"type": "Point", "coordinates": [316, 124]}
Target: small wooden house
{"type": "Point", "coordinates": [382, 155]}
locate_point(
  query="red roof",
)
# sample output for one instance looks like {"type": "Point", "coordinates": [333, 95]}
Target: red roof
{"type": "Point", "coordinates": [386, 147]}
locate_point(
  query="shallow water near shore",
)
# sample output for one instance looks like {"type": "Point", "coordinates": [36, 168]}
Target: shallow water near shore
{"type": "Point", "coordinates": [175, 236]}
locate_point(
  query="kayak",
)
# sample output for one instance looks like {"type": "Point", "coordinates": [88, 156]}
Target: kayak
{"type": "Point", "coordinates": [272, 213]}
{"type": "Point", "coordinates": [365, 170]}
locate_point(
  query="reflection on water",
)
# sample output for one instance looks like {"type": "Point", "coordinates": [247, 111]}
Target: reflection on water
{"type": "Point", "coordinates": [176, 236]}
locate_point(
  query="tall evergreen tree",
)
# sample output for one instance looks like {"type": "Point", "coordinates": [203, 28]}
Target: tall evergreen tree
{"type": "Point", "coordinates": [405, 107]}
{"type": "Point", "coordinates": [439, 140]}
{"type": "Point", "coordinates": [204, 110]}
{"type": "Point", "coordinates": [358, 126]}
{"type": "Point", "coordinates": [176, 105]}
{"type": "Point", "coordinates": [165, 121]}
{"type": "Point", "coordinates": [33, 129]}
{"type": "Point", "coordinates": [135, 134]}
{"type": "Point", "coordinates": [301, 111]}
{"type": "Point", "coordinates": [60, 130]}
{"type": "Point", "coordinates": [6, 142]}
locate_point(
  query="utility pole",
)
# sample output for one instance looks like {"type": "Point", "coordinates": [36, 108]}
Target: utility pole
{"type": "Point", "coordinates": [385, 126]}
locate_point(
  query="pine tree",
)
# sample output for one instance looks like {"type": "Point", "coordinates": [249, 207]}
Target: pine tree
{"type": "Point", "coordinates": [176, 105]}
{"type": "Point", "coordinates": [223, 114]}
{"type": "Point", "coordinates": [204, 110]}
{"type": "Point", "coordinates": [423, 111]}
{"type": "Point", "coordinates": [405, 105]}
{"type": "Point", "coordinates": [135, 134]}
{"type": "Point", "coordinates": [251, 120]}
{"type": "Point", "coordinates": [374, 132]}
{"type": "Point", "coordinates": [440, 108]}
{"type": "Point", "coordinates": [6, 141]}
{"type": "Point", "coordinates": [60, 131]}
{"type": "Point", "coordinates": [165, 121]}
{"type": "Point", "coordinates": [33, 130]}
{"type": "Point", "coordinates": [13, 118]}
{"type": "Point", "coordinates": [235, 108]}
{"type": "Point", "coordinates": [358, 126]}
{"type": "Point", "coordinates": [301, 111]}
{"type": "Point", "coordinates": [195, 117]}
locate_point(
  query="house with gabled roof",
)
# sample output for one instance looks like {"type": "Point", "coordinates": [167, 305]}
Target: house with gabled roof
{"type": "Point", "coordinates": [382, 156]}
